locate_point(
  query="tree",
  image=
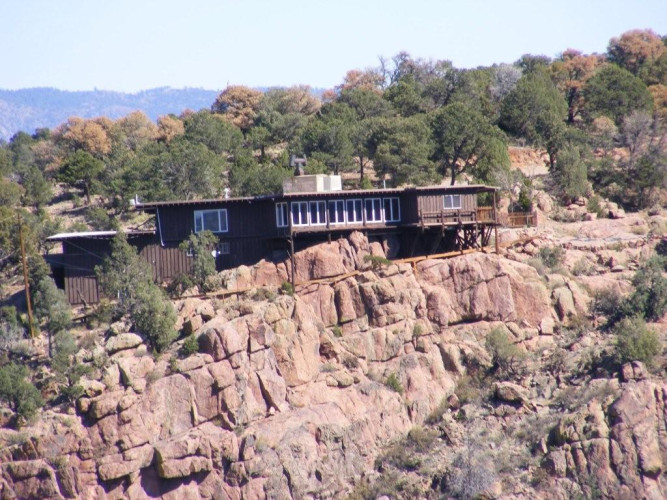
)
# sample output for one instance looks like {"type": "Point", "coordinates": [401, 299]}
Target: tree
{"type": "Point", "coordinates": [238, 104]}
{"type": "Point", "coordinates": [327, 138]}
{"type": "Point", "coordinates": [169, 127]}
{"type": "Point", "coordinates": [637, 51]}
{"type": "Point", "coordinates": [571, 71]}
{"type": "Point", "coordinates": [466, 142]}
{"type": "Point", "coordinates": [82, 169]}
{"type": "Point", "coordinates": [87, 135]}
{"type": "Point", "coordinates": [212, 131]}
{"type": "Point", "coordinates": [201, 245]}
{"type": "Point", "coordinates": [650, 296]}
{"type": "Point", "coordinates": [37, 189]}
{"type": "Point", "coordinates": [536, 110]}
{"type": "Point", "coordinates": [636, 342]}
{"type": "Point", "coordinates": [188, 171]}
{"type": "Point", "coordinates": [402, 151]}
{"type": "Point", "coordinates": [248, 178]}
{"type": "Point", "coordinates": [51, 307]}
{"type": "Point", "coordinates": [124, 274]}
{"type": "Point", "coordinates": [616, 93]}
{"type": "Point", "coordinates": [19, 393]}
{"type": "Point", "coordinates": [570, 171]}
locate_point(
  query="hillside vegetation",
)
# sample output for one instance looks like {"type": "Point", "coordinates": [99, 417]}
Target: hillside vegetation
{"type": "Point", "coordinates": [535, 373]}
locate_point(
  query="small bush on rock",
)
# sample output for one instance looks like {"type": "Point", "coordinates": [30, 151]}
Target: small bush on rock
{"type": "Point", "coordinates": [505, 356]}
{"type": "Point", "coordinates": [636, 342]}
{"type": "Point", "coordinates": [19, 393]}
{"type": "Point", "coordinates": [394, 383]}
{"type": "Point", "coordinates": [190, 346]}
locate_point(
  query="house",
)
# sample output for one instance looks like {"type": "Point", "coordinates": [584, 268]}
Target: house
{"type": "Point", "coordinates": [312, 209]}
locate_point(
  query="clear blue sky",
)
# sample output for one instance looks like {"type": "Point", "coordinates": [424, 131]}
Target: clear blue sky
{"type": "Point", "coordinates": [130, 45]}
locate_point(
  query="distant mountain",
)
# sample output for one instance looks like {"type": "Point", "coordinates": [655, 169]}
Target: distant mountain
{"type": "Point", "coordinates": [29, 109]}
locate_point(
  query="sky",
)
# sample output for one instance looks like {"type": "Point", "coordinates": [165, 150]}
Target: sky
{"type": "Point", "coordinates": [133, 45]}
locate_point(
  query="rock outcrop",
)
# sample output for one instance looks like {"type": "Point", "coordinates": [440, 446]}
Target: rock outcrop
{"type": "Point", "coordinates": [294, 396]}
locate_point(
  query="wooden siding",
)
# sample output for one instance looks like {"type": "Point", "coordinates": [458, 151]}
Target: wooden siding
{"type": "Point", "coordinates": [436, 203]}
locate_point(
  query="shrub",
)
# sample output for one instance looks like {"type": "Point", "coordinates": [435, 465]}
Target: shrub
{"type": "Point", "coordinates": [179, 285]}
{"type": "Point", "coordinates": [582, 267]}
{"type": "Point", "coordinates": [636, 342]}
{"type": "Point", "coordinates": [287, 288]}
{"type": "Point", "coordinates": [394, 383]}
{"type": "Point", "coordinates": [18, 393]}
{"type": "Point", "coordinates": [505, 356]}
{"type": "Point", "coordinates": [190, 346]}
{"type": "Point", "coordinates": [337, 331]}
{"type": "Point", "coordinates": [650, 296]}
{"type": "Point", "coordinates": [376, 261]}
{"type": "Point", "coordinates": [201, 245]}
{"type": "Point", "coordinates": [155, 317]}
{"type": "Point", "coordinates": [67, 371]}
{"type": "Point", "coordinates": [350, 362]}
{"type": "Point", "coordinates": [552, 257]}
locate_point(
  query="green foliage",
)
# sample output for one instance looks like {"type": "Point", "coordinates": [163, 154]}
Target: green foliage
{"type": "Point", "coordinates": [394, 383]}
{"type": "Point", "coordinates": [127, 276]}
{"type": "Point", "coordinates": [81, 169]}
{"type": "Point", "coordinates": [571, 172]}
{"type": "Point", "coordinates": [552, 257]}
{"type": "Point", "coordinates": [650, 296]}
{"type": "Point", "coordinates": [376, 261]}
{"type": "Point", "coordinates": [66, 369]}
{"type": "Point", "coordinates": [19, 393]}
{"type": "Point", "coordinates": [636, 342]}
{"type": "Point", "coordinates": [179, 285]}
{"type": "Point", "coordinates": [154, 317]}
{"type": "Point", "coordinates": [615, 92]}
{"type": "Point", "coordinates": [201, 245]}
{"type": "Point", "coordinates": [465, 142]}
{"type": "Point", "coordinates": [190, 346]}
{"type": "Point", "coordinates": [51, 306]}
{"type": "Point", "coordinates": [401, 148]}
{"type": "Point", "coordinates": [506, 357]}
{"type": "Point", "coordinates": [287, 288]}
{"type": "Point", "coordinates": [99, 220]}
{"type": "Point", "coordinates": [535, 110]}
{"type": "Point", "coordinates": [337, 331]}
{"type": "Point", "coordinates": [38, 190]}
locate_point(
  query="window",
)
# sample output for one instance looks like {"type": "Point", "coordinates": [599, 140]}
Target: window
{"type": "Point", "coordinates": [392, 210]}
{"type": "Point", "coordinates": [337, 212]}
{"type": "Point", "coordinates": [281, 215]}
{"type": "Point", "coordinates": [452, 201]}
{"type": "Point", "coordinates": [299, 213]}
{"type": "Point", "coordinates": [211, 220]}
{"type": "Point", "coordinates": [354, 212]}
{"type": "Point", "coordinates": [318, 213]}
{"type": "Point", "coordinates": [224, 248]}
{"type": "Point", "coordinates": [374, 210]}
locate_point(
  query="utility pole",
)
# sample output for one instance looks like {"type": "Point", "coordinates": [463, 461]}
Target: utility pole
{"type": "Point", "coordinates": [25, 278]}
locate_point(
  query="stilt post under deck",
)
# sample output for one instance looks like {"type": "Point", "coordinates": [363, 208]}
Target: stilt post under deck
{"type": "Point", "coordinates": [495, 222]}
{"type": "Point", "coordinates": [291, 256]}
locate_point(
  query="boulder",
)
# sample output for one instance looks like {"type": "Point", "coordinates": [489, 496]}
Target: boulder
{"type": "Point", "coordinates": [122, 342]}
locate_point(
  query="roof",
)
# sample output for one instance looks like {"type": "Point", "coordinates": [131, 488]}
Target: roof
{"type": "Point", "coordinates": [461, 188]}
{"type": "Point", "coordinates": [100, 235]}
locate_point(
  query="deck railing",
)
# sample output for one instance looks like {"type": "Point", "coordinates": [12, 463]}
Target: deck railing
{"type": "Point", "coordinates": [519, 219]}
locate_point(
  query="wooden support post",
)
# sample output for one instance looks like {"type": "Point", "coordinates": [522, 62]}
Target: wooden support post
{"type": "Point", "coordinates": [495, 235]}
{"type": "Point", "coordinates": [291, 256]}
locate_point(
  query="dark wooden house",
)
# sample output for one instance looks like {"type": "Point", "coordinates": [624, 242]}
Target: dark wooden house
{"type": "Point", "coordinates": [312, 209]}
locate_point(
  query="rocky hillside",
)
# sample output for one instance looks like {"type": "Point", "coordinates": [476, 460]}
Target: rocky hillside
{"type": "Point", "coordinates": [476, 374]}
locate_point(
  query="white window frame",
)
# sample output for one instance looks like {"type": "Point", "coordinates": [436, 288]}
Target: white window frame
{"type": "Point", "coordinates": [452, 198]}
{"type": "Point", "coordinates": [375, 203]}
{"type": "Point", "coordinates": [222, 218]}
{"type": "Point", "coordinates": [282, 215]}
{"type": "Point", "coordinates": [334, 214]}
{"type": "Point", "coordinates": [224, 248]}
{"type": "Point", "coordinates": [394, 212]}
{"type": "Point", "coordinates": [352, 203]}
{"type": "Point", "coordinates": [302, 208]}
{"type": "Point", "coordinates": [318, 216]}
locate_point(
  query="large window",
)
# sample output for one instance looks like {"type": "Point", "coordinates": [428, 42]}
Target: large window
{"type": "Point", "coordinates": [281, 215]}
{"type": "Point", "coordinates": [211, 220]}
{"type": "Point", "coordinates": [373, 210]}
{"type": "Point", "coordinates": [452, 201]}
{"type": "Point", "coordinates": [337, 212]}
{"type": "Point", "coordinates": [318, 213]}
{"type": "Point", "coordinates": [392, 210]}
{"type": "Point", "coordinates": [299, 213]}
{"type": "Point", "coordinates": [354, 214]}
